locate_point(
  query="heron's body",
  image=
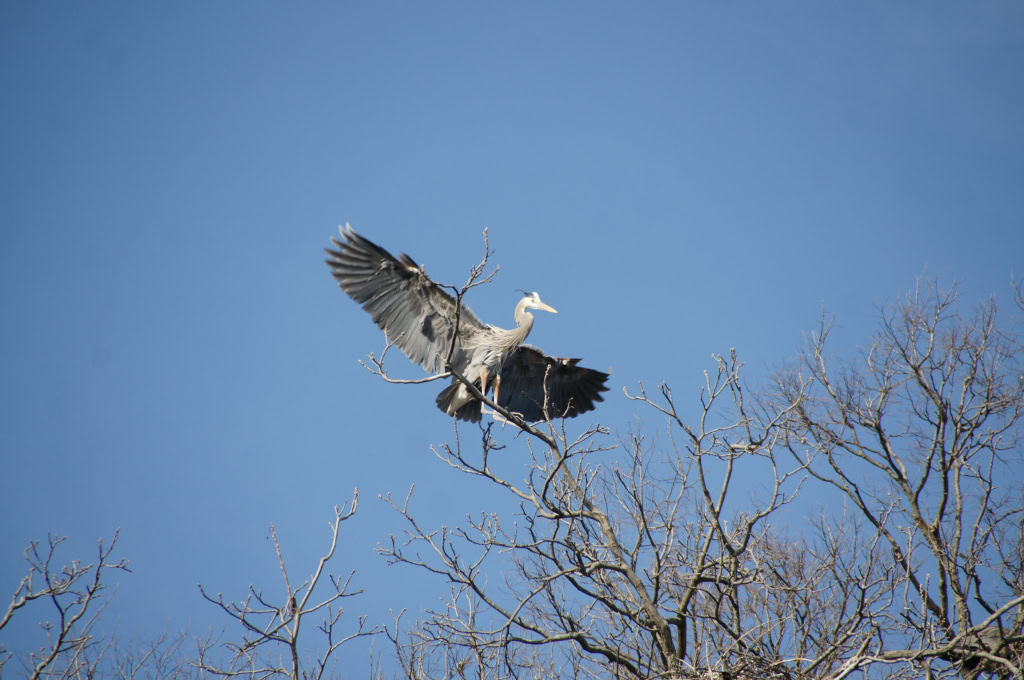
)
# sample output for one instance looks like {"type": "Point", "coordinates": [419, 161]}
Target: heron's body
{"type": "Point", "coordinates": [487, 351]}
{"type": "Point", "coordinates": [420, 319]}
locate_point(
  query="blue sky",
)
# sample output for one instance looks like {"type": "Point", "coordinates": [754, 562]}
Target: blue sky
{"type": "Point", "coordinates": [676, 178]}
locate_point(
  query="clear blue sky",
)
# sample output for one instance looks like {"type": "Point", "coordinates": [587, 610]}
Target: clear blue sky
{"type": "Point", "coordinates": [676, 178]}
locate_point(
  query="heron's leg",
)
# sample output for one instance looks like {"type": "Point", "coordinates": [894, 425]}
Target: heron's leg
{"type": "Point", "coordinates": [483, 389]}
{"type": "Point", "coordinates": [497, 416]}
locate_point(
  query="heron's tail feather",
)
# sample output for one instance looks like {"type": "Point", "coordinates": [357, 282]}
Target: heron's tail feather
{"type": "Point", "coordinates": [454, 404]}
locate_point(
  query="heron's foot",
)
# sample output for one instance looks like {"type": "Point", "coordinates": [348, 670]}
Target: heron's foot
{"type": "Point", "coordinates": [484, 411]}
{"type": "Point", "coordinates": [504, 421]}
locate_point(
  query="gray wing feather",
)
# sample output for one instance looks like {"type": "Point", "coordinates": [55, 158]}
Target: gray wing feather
{"type": "Point", "coordinates": [414, 312]}
{"type": "Point", "coordinates": [571, 389]}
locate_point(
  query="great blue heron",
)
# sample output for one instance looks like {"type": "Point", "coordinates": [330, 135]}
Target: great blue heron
{"type": "Point", "coordinates": [419, 318]}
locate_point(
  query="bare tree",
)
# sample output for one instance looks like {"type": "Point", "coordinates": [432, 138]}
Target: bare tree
{"type": "Point", "coordinates": [270, 643]}
{"type": "Point", "coordinates": [76, 644]}
{"type": "Point", "coordinates": [656, 563]}
{"type": "Point", "coordinates": [921, 436]}
{"type": "Point", "coordinates": [73, 648]}
{"type": "Point", "coordinates": [854, 518]}
{"type": "Point", "coordinates": [268, 646]}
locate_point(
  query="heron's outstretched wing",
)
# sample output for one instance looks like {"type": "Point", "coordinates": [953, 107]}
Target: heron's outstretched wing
{"type": "Point", "coordinates": [414, 312]}
{"type": "Point", "coordinates": [571, 389]}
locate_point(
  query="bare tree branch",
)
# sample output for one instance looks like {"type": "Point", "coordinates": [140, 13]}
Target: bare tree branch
{"type": "Point", "coordinates": [270, 625]}
{"type": "Point", "coordinates": [74, 593]}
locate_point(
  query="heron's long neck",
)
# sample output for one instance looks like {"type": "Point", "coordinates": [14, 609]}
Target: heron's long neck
{"type": "Point", "coordinates": [524, 321]}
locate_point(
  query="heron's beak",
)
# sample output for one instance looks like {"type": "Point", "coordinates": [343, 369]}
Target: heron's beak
{"type": "Point", "coordinates": [547, 308]}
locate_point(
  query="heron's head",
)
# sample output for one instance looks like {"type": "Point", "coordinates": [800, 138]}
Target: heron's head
{"type": "Point", "coordinates": [533, 301]}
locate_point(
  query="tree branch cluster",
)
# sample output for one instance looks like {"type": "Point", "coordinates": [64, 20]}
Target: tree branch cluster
{"type": "Point", "coordinates": [854, 518]}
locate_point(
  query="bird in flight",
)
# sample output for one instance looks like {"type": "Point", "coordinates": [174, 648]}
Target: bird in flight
{"type": "Point", "coordinates": [420, 318]}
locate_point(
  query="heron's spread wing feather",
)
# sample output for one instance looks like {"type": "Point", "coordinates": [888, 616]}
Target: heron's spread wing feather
{"type": "Point", "coordinates": [414, 312]}
{"type": "Point", "coordinates": [571, 389]}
